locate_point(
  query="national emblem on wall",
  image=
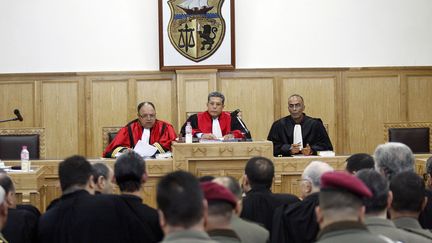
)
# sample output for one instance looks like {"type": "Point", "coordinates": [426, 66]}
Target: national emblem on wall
{"type": "Point", "coordinates": [196, 28]}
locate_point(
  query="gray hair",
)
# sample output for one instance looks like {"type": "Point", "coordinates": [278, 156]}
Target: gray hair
{"type": "Point", "coordinates": [429, 166]}
{"type": "Point", "coordinates": [314, 170]}
{"type": "Point", "coordinates": [393, 158]}
{"type": "Point", "coordinates": [216, 94]}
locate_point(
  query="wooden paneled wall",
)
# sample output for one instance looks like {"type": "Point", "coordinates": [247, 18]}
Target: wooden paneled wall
{"type": "Point", "coordinates": [355, 103]}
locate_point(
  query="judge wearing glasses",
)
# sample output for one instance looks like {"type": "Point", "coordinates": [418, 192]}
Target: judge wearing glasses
{"type": "Point", "coordinates": [298, 133]}
{"type": "Point", "coordinates": [146, 128]}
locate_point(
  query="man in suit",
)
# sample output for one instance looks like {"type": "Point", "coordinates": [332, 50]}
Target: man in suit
{"type": "Point", "coordinates": [182, 208]}
{"type": "Point", "coordinates": [130, 175]}
{"type": "Point", "coordinates": [340, 213]}
{"type": "Point", "coordinates": [297, 222]}
{"type": "Point", "coordinates": [103, 177]}
{"type": "Point", "coordinates": [408, 201]}
{"type": "Point", "coordinates": [260, 203]}
{"type": "Point", "coordinates": [376, 208]}
{"type": "Point", "coordinates": [247, 231]}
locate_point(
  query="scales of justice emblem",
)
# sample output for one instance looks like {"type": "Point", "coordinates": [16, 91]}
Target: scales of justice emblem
{"type": "Point", "coordinates": [196, 28]}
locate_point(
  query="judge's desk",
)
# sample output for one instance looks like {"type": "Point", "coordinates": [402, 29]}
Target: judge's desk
{"type": "Point", "coordinates": [201, 159]}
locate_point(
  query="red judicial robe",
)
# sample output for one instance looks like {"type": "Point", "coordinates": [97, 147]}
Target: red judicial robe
{"type": "Point", "coordinates": [202, 122]}
{"type": "Point", "coordinates": [161, 136]}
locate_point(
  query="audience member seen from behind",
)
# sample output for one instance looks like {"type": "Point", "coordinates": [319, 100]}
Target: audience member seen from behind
{"type": "Point", "coordinates": [221, 203]}
{"type": "Point", "coordinates": [393, 158]}
{"type": "Point", "coordinates": [214, 123]}
{"type": "Point", "coordinates": [340, 213]}
{"type": "Point", "coordinates": [358, 162]}
{"type": "Point", "coordinates": [130, 175]}
{"type": "Point", "coordinates": [146, 128]}
{"type": "Point", "coordinates": [376, 208]}
{"type": "Point", "coordinates": [425, 217]}
{"type": "Point", "coordinates": [408, 201]}
{"type": "Point", "coordinates": [22, 222]}
{"type": "Point", "coordinates": [182, 208]}
{"type": "Point", "coordinates": [103, 177]}
{"type": "Point", "coordinates": [298, 133]}
{"type": "Point", "coordinates": [78, 216]}
{"type": "Point", "coordinates": [297, 223]}
{"type": "Point", "coordinates": [3, 213]}
{"type": "Point", "coordinates": [259, 203]}
{"type": "Point", "coordinates": [246, 230]}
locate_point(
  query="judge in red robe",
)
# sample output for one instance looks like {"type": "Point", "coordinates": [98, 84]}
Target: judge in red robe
{"type": "Point", "coordinates": [156, 132]}
{"type": "Point", "coordinates": [214, 123]}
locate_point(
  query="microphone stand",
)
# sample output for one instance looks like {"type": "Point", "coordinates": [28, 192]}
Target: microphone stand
{"type": "Point", "coordinates": [7, 120]}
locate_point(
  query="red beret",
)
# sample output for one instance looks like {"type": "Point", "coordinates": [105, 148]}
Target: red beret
{"type": "Point", "coordinates": [213, 191]}
{"type": "Point", "coordinates": [345, 182]}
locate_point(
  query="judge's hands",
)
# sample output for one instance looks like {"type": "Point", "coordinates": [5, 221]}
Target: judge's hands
{"type": "Point", "coordinates": [307, 150]}
{"type": "Point", "coordinates": [228, 137]}
{"type": "Point", "coordinates": [295, 149]}
{"type": "Point", "coordinates": [208, 136]}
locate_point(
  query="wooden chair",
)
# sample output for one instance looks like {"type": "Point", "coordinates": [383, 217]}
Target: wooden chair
{"type": "Point", "coordinates": [108, 134]}
{"type": "Point", "coordinates": [12, 140]}
{"type": "Point", "coordinates": [416, 135]}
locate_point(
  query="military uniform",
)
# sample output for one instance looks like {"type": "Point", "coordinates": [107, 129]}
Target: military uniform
{"type": "Point", "coordinates": [188, 236]}
{"type": "Point", "coordinates": [412, 225]}
{"type": "Point", "coordinates": [248, 231]}
{"type": "Point", "coordinates": [224, 236]}
{"type": "Point", "coordinates": [348, 231]}
{"type": "Point", "coordinates": [380, 226]}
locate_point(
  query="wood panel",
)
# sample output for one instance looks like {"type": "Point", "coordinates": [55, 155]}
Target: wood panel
{"type": "Point", "coordinates": [17, 95]}
{"type": "Point", "coordinates": [60, 118]}
{"type": "Point", "coordinates": [319, 95]}
{"type": "Point", "coordinates": [238, 94]}
{"type": "Point", "coordinates": [193, 87]}
{"type": "Point", "coordinates": [160, 93]}
{"type": "Point", "coordinates": [370, 101]}
{"type": "Point", "coordinates": [419, 98]}
{"type": "Point", "coordinates": [109, 107]}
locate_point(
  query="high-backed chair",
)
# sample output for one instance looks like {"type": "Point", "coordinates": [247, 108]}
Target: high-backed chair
{"type": "Point", "coordinates": [416, 135]}
{"type": "Point", "coordinates": [12, 140]}
{"type": "Point", "coordinates": [108, 134]}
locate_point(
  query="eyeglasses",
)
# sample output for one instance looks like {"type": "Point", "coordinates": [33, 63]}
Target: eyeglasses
{"type": "Point", "coordinates": [148, 116]}
{"type": "Point", "coordinates": [298, 105]}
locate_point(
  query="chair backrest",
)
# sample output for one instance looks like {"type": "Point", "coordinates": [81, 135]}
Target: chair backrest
{"type": "Point", "coordinates": [12, 140]}
{"type": "Point", "coordinates": [108, 134]}
{"type": "Point", "coordinates": [415, 135]}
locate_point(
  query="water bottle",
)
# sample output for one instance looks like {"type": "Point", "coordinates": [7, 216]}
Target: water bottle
{"type": "Point", "coordinates": [188, 130]}
{"type": "Point", "coordinates": [25, 162]}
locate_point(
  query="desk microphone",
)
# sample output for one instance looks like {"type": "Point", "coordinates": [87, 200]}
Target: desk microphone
{"type": "Point", "coordinates": [17, 113]}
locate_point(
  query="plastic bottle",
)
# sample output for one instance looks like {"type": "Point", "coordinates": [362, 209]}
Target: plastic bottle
{"type": "Point", "coordinates": [25, 162]}
{"type": "Point", "coordinates": [188, 131]}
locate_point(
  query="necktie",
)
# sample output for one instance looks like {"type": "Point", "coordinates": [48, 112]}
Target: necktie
{"type": "Point", "coordinates": [298, 139]}
{"type": "Point", "coordinates": [216, 130]}
{"type": "Point", "coordinates": [146, 135]}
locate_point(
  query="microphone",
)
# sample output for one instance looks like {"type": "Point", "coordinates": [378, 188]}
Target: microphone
{"type": "Point", "coordinates": [17, 113]}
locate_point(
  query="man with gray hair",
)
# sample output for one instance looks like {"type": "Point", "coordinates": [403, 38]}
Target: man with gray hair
{"type": "Point", "coordinates": [297, 222]}
{"type": "Point", "coordinates": [214, 123]}
{"type": "Point", "coordinates": [103, 177]}
{"type": "Point", "coordinates": [393, 158]}
{"type": "Point", "coordinates": [425, 217]}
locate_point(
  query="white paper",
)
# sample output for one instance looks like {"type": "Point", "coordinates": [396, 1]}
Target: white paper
{"type": "Point", "coordinates": [298, 138]}
{"type": "Point", "coordinates": [145, 150]}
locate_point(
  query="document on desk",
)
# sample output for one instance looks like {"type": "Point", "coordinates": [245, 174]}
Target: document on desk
{"type": "Point", "coordinates": [145, 149]}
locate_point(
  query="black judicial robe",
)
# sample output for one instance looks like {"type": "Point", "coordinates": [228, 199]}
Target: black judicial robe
{"type": "Point", "coordinates": [81, 217]}
{"type": "Point", "coordinates": [260, 203]}
{"type": "Point", "coordinates": [144, 220]}
{"type": "Point", "coordinates": [296, 223]}
{"type": "Point", "coordinates": [313, 133]}
{"type": "Point", "coordinates": [425, 217]}
{"type": "Point", "coordinates": [21, 225]}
